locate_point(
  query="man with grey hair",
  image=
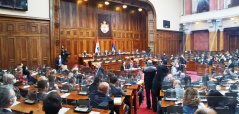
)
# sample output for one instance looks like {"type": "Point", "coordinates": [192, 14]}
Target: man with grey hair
{"type": "Point", "coordinates": [99, 69]}
{"type": "Point", "coordinates": [70, 75]}
{"type": "Point", "coordinates": [178, 89]}
{"type": "Point", "coordinates": [10, 80]}
{"type": "Point", "coordinates": [7, 99]}
{"type": "Point", "coordinates": [101, 99]}
{"type": "Point", "coordinates": [149, 73]}
{"type": "Point", "coordinates": [186, 79]}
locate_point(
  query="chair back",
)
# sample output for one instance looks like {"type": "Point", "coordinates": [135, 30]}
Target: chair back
{"type": "Point", "coordinates": [175, 110]}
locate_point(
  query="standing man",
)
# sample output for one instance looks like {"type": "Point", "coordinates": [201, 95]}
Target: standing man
{"type": "Point", "coordinates": [59, 62]}
{"type": "Point", "coordinates": [149, 73]}
{"type": "Point", "coordinates": [99, 69]}
{"type": "Point", "coordinates": [162, 71]}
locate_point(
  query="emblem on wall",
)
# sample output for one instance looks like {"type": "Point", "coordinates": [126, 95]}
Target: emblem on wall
{"type": "Point", "coordinates": [104, 27]}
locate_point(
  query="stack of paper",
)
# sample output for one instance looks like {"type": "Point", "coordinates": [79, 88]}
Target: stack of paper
{"type": "Point", "coordinates": [65, 95]}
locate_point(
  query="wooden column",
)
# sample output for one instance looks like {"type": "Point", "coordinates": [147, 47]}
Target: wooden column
{"type": "Point", "coordinates": [221, 47]}
{"type": "Point", "coordinates": [188, 42]}
{"type": "Point", "coordinates": [212, 41]}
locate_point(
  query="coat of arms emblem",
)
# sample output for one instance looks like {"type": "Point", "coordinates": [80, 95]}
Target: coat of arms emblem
{"type": "Point", "coordinates": [104, 27]}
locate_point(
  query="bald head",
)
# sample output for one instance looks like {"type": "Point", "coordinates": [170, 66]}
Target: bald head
{"type": "Point", "coordinates": [149, 62]}
{"type": "Point", "coordinates": [205, 111]}
{"type": "Point", "coordinates": [103, 87]}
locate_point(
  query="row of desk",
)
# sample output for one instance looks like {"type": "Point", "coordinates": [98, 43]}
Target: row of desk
{"type": "Point", "coordinates": [131, 97]}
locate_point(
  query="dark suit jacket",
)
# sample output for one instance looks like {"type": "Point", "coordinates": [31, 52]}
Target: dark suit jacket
{"type": "Point", "coordinates": [84, 54]}
{"type": "Point", "coordinates": [93, 87]}
{"type": "Point", "coordinates": [105, 54]}
{"type": "Point", "coordinates": [149, 73]}
{"type": "Point", "coordinates": [100, 70]}
{"type": "Point", "coordinates": [116, 91]}
{"type": "Point", "coordinates": [97, 54]}
{"type": "Point", "coordinates": [96, 98]}
{"type": "Point", "coordinates": [231, 66]}
{"type": "Point", "coordinates": [5, 111]}
{"type": "Point", "coordinates": [71, 88]}
{"type": "Point", "coordinates": [57, 62]}
{"type": "Point", "coordinates": [122, 68]}
{"type": "Point", "coordinates": [41, 96]}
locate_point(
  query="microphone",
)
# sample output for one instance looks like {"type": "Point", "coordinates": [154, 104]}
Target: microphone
{"type": "Point", "coordinates": [31, 112]}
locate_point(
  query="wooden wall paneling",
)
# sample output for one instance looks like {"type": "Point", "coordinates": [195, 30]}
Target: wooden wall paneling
{"type": "Point", "coordinates": [1, 51]}
{"type": "Point", "coordinates": [11, 47]}
{"type": "Point", "coordinates": [45, 47]}
{"type": "Point", "coordinates": [23, 50]}
{"type": "Point", "coordinates": [34, 51]}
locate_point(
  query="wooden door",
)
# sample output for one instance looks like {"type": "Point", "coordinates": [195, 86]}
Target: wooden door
{"type": "Point", "coordinates": [34, 52]}
{"type": "Point", "coordinates": [233, 43]}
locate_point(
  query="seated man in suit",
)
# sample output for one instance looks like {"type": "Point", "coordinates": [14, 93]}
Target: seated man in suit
{"type": "Point", "coordinates": [113, 52]}
{"type": "Point", "coordinates": [95, 84]}
{"type": "Point", "coordinates": [10, 80]}
{"type": "Point", "coordinates": [100, 98]}
{"type": "Point", "coordinates": [105, 53]}
{"type": "Point", "coordinates": [59, 62]}
{"type": "Point", "coordinates": [97, 53]}
{"type": "Point", "coordinates": [70, 75]}
{"type": "Point", "coordinates": [99, 69]}
{"type": "Point", "coordinates": [130, 65]}
{"type": "Point", "coordinates": [72, 83]}
{"type": "Point", "coordinates": [114, 87]}
{"type": "Point", "coordinates": [119, 52]}
{"type": "Point", "coordinates": [123, 66]}
{"type": "Point", "coordinates": [136, 51]}
{"type": "Point", "coordinates": [178, 89]}
{"type": "Point", "coordinates": [164, 57]}
{"type": "Point", "coordinates": [230, 64]}
{"type": "Point", "coordinates": [84, 54]}
{"type": "Point", "coordinates": [42, 86]}
{"type": "Point", "coordinates": [7, 99]}
{"type": "Point", "coordinates": [52, 82]}
{"type": "Point", "coordinates": [52, 103]}
{"type": "Point", "coordinates": [172, 58]}
{"type": "Point", "coordinates": [77, 76]}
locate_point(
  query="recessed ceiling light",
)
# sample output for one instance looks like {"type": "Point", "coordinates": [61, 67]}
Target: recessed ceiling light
{"type": "Point", "coordinates": [232, 19]}
{"type": "Point", "coordinates": [140, 9]}
{"type": "Point", "coordinates": [124, 6]}
{"type": "Point", "coordinates": [107, 3]}
{"type": "Point", "coordinates": [197, 22]}
{"type": "Point", "coordinates": [85, 0]}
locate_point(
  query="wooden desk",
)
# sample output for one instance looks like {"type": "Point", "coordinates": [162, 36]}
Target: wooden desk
{"type": "Point", "coordinates": [125, 73]}
{"type": "Point", "coordinates": [191, 66]}
{"type": "Point", "coordinates": [165, 104]}
{"type": "Point", "coordinates": [37, 108]}
{"type": "Point", "coordinates": [120, 107]}
{"type": "Point", "coordinates": [130, 97]}
{"type": "Point", "coordinates": [201, 69]}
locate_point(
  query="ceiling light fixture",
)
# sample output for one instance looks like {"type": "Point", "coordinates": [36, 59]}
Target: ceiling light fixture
{"type": "Point", "coordinates": [124, 6]}
{"type": "Point", "coordinates": [140, 9]}
{"type": "Point", "coordinates": [232, 19]}
{"type": "Point", "coordinates": [197, 22]}
{"type": "Point", "coordinates": [107, 3]}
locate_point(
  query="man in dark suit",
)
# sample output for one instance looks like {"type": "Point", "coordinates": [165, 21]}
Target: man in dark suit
{"type": "Point", "coordinates": [7, 99]}
{"type": "Point", "coordinates": [114, 87]}
{"type": "Point", "coordinates": [123, 66]}
{"type": "Point", "coordinates": [149, 73]}
{"type": "Point", "coordinates": [99, 69]}
{"type": "Point", "coordinates": [70, 75]}
{"type": "Point", "coordinates": [203, 57]}
{"type": "Point", "coordinates": [42, 86]}
{"type": "Point", "coordinates": [84, 54]}
{"type": "Point", "coordinates": [52, 103]}
{"type": "Point", "coordinates": [130, 65]}
{"type": "Point", "coordinates": [136, 51]}
{"type": "Point", "coordinates": [95, 84]}
{"type": "Point", "coordinates": [230, 64]}
{"type": "Point", "coordinates": [105, 53]}
{"type": "Point", "coordinates": [77, 76]}
{"type": "Point", "coordinates": [63, 51]}
{"type": "Point", "coordinates": [162, 71]}
{"type": "Point", "coordinates": [113, 52]}
{"type": "Point", "coordinates": [97, 53]}
{"type": "Point", "coordinates": [164, 57]}
{"type": "Point", "coordinates": [100, 99]}
{"type": "Point", "coordinates": [172, 58]}
{"type": "Point", "coordinates": [72, 83]}
{"type": "Point", "coordinates": [59, 62]}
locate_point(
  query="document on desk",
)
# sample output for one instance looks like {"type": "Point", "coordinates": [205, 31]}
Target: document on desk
{"type": "Point", "coordinates": [63, 110]}
{"type": "Point", "coordinates": [33, 74]}
{"type": "Point", "coordinates": [93, 112]}
{"type": "Point", "coordinates": [15, 103]}
{"type": "Point", "coordinates": [117, 100]}
{"type": "Point", "coordinates": [65, 95]}
{"type": "Point", "coordinates": [27, 86]}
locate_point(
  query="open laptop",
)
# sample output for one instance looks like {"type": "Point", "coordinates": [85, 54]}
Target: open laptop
{"type": "Point", "coordinates": [31, 99]}
{"type": "Point", "coordinates": [84, 90]}
{"type": "Point", "coordinates": [170, 95]}
{"type": "Point", "coordinates": [83, 105]}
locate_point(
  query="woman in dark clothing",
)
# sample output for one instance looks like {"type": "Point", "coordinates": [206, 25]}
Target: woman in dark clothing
{"type": "Point", "coordinates": [30, 79]}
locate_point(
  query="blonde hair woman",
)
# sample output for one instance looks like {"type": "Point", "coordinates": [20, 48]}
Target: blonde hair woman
{"type": "Point", "coordinates": [191, 101]}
